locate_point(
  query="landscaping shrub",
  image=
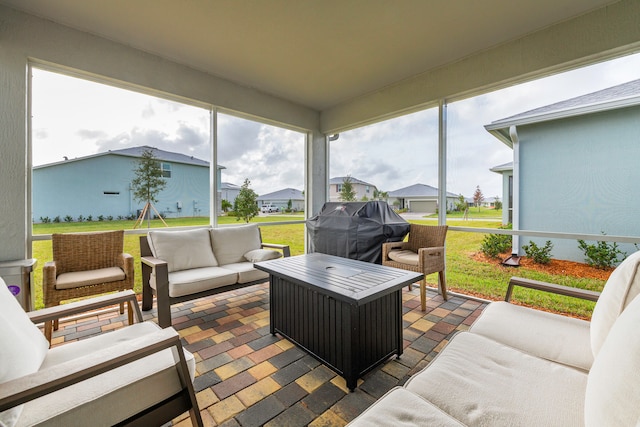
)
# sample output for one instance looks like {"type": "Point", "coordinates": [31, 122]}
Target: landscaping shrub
{"type": "Point", "coordinates": [495, 244]}
{"type": "Point", "coordinates": [602, 254]}
{"type": "Point", "coordinates": [539, 255]}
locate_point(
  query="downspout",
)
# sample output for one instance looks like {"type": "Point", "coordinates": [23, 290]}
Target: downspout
{"type": "Point", "coordinates": [515, 242]}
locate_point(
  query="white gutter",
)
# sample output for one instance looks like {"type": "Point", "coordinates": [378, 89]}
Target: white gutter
{"type": "Point", "coordinates": [515, 244]}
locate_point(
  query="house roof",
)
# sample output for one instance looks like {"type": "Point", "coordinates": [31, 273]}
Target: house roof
{"type": "Point", "coordinates": [317, 54]}
{"type": "Point", "coordinates": [417, 190]}
{"type": "Point", "coordinates": [284, 194]}
{"type": "Point", "coordinates": [615, 97]}
{"type": "Point", "coordinates": [340, 180]}
{"type": "Point", "coordinates": [162, 155]}
{"type": "Point", "coordinates": [502, 168]}
{"type": "Point", "coordinates": [229, 186]}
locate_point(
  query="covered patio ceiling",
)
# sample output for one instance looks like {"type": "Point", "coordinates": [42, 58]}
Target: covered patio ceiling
{"type": "Point", "coordinates": [316, 54]}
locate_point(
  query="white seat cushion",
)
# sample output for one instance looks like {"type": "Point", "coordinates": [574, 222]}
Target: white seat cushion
{"type": "Point", "coordinates": [76, 279]}
{"type": "Point", "coordinates": [551, 336]}
{"type": "Point", "coordinates": [183, 249]}
{"type": "Point", "coordinates": [246, 272]}
{"type": "Point", "coordinates": [613, 388]}
{"type": "Point", "coordinates": [231, 243]}
{"type": "Point", "coordinates": [481, 382]}
{"type": "Point", "coordinates": [403, 256]}
{"type": "Point", "coordinates": [110, 397]}
{"type": "Point", "coordinates": [258, 255]}
{"type": "Point", "coordinates": [22, 346]}
{"type": "Point", "coordinates": [621, 288]}
{"type": "Point", "coordinates": [399, 407]}
{"type": "Point", "coordinates": [188, 282]}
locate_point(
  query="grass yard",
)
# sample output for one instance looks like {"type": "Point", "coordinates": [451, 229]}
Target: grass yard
{"type": "Point", "coordinates": [464, 273]}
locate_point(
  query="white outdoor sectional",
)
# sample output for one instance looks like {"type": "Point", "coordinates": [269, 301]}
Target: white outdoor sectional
{"type": "Point", "coordinates": [181, 265]}
{"type": "Point", "coordinates": [518, 366]}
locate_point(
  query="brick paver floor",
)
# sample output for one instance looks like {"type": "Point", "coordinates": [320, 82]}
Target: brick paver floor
{"type": "Point", "coordinates": [248, 377]}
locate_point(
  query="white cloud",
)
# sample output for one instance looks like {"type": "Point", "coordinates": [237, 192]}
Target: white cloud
{"type": "Point", "coordinates": [74, 118]}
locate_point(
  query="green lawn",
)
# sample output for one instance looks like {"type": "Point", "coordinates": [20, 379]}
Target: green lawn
{"type": "Point", "coordinates": [463, 273]}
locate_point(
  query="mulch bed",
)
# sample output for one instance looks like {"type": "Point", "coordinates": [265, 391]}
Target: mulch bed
{"type": "Point", "coordinates": [556, 266]}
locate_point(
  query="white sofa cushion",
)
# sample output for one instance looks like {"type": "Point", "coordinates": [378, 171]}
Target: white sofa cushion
{"type": "Point", "coordinates": [246, 272]}
{"type": "Point", "coordinates": [551, 336]}
{"type": "Point", "coordinates": [613, 388]}
{"type": "Point", "coordinates": [258, 255]}
{"type": "Point", "coordinates": [187, 282]}
{"type": "Point", "coordinates": [113, 396]}
{"type": "Point", "coordinates": [399, 407]}
{"type": "Point", "coordinates": [231, 243]}
{"type": "Point", "coordinates": [184, 249]}
{"type": "Point", "coordinates": [76, 279]}
{"type": "Point", "coordinates": [22, 346]}
{"type": "Point", "coordinates": [621, 288]}
{"type": "Point", "coordinates": [481, 382]}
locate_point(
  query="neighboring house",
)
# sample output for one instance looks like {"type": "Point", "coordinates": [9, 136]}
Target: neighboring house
{"type": "Point", "coordinates": [100, 184]}
{"type": "Point", "coordinates": [419, 198]}
{"type": "Point", "coordinates": [362, 189]}
{"type": "Point", "coordinates": [281, 199]}
{"type": "Point", "coordinates": [229, 192]}
{"type": "Point", "coordinates": [575, 167]}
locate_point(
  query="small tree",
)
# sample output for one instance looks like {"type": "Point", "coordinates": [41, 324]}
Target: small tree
{"type": "Point", "coordinates": [498, 204]}
{"type": "Point", "coordinates": [347, 193]}
{"type": "Point", "coordinates": [246, 203]}
{"type": "Point", "coordinates": [148, 181]}
{"type": "Point", "coordinates": [478, 197]}
{"type": "Point", "coordinates": [226, 205]}
{"type": "Point", "coordinates": [289, 205]}
{"type": "Point", "coordinates": [461, 203]}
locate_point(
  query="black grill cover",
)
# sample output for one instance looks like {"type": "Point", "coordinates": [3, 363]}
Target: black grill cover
{"type": "Point", "coordinates": [355, 230]}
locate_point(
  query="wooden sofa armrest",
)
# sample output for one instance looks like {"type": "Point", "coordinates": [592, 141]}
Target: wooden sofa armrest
{"type": "Point", "coordinates": [550, 287]}
{"type": "Point", "coordinates": [24, 389]}
{"type": "Point", "coordinates": [82, 306]}
{"type": "Point", "coordinates": [284, 248]}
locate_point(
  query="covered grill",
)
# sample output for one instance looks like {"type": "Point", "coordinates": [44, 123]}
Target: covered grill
{"type": "Point", "coordinates": [355, 230]}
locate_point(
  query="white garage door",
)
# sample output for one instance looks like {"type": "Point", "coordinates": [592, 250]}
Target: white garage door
{"type": "Point", "coordinates": [426, 206]}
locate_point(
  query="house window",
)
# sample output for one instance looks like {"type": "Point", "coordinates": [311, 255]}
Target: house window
{"type": "Point", "coordinates": [166, 170]}
{"type": "Point", "coordinates": [339, 188]}
{"type": "Point", "coordinates": [366, 189]}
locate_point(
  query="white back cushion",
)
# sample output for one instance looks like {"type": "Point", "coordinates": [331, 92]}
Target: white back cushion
{"type": "Point", "coordinates": [613, 388]}
{"type": "Point", "coordinates": [183, 250]}
{"type": "Point", "coordinates": [231, 243]}
{"type": "Point", "coordinates": [621, 288]}
{"type": "Point", "coordinates": [22, 346]}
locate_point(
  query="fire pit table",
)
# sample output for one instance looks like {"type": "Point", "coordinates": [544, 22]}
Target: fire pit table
{"type": "Point", "coordinates": [346, 313]}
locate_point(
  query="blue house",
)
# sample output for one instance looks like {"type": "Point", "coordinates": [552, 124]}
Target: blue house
{"type": "Point", "coordinates": [575, 168]}
{"type": "Point", "coordinates": [100, 184]}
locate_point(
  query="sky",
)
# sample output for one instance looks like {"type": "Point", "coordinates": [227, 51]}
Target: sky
{"type": "Point", "coordinates": [75, 118]}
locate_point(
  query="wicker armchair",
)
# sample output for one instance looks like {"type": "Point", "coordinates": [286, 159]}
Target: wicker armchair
{"type": "Point", "coordinates": [423, 252]}
{"type": "Point", "coordinates": [86, 264]}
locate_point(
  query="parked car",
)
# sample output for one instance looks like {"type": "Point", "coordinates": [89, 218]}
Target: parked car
{"type": "Point", "coordinates": [269, 208]}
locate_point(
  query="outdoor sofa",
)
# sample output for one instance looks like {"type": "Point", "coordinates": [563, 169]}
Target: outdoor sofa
{"type": "Point", "coordinates": [135, 375]}
{"type": "Point", "coordinates": [517, 366]}
{"type": "Point", "coordinates": [182, 265]}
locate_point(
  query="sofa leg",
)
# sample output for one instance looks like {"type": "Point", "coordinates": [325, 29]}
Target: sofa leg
{"type": "Point", "coordinates": [164, 313]}
{"type": "Point", "coordinates": [423, 294]}
{"type": "Point", "coordinates": [147, 298]}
